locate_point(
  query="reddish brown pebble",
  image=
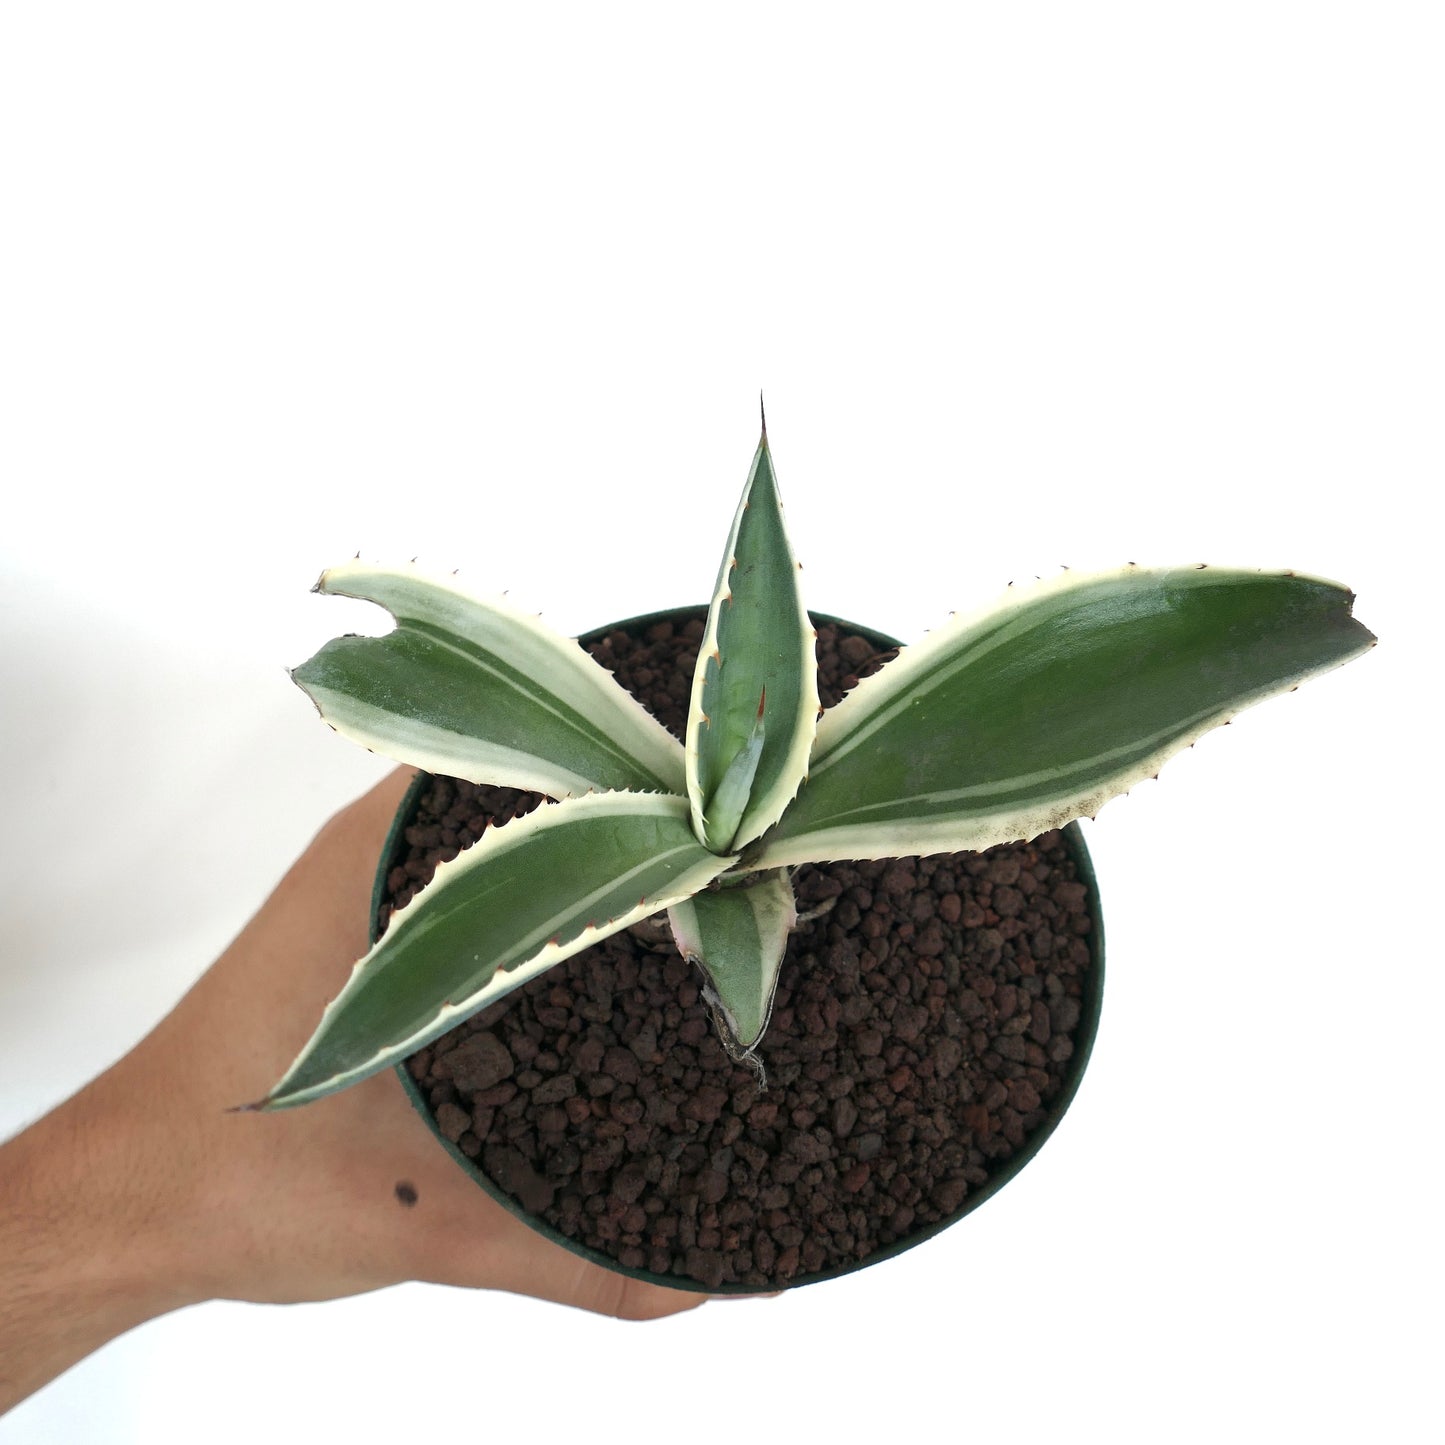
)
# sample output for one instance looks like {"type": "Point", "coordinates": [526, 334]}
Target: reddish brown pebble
{"type": "Point", "coordinates": [476, 1064]}
{"type": "Point", "coordinates": [453, 1121]}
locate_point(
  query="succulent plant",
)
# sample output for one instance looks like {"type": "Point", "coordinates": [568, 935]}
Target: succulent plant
{"type": "Point", "coordinates": [998, 726]}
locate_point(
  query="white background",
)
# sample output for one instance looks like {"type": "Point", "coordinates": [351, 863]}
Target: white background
{"type": "Point", "coordinates": [1026, 285]}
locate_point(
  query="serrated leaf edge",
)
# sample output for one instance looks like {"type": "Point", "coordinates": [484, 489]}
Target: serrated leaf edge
{"type": "Point", "coordinates": [650, 745]}
{"type": "Point", "coordinates": [873, 840]}
{"type": "Point", "coordinates": [494, 841]}
{"type": "Point", "coordinates": [848, 725]}
{"type": "Point", "coordinates": [762, 813]}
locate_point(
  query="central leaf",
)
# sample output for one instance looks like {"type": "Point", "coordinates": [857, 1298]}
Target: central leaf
{"type": "Point", "coordinates": [755, 695]}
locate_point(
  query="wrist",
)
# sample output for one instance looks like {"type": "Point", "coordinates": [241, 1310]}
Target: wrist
{"type": "Point", "coordinates": [88, 1246]}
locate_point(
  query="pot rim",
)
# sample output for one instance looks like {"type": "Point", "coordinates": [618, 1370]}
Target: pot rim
{"type": "Point", "coordinates": [1084, 1033]}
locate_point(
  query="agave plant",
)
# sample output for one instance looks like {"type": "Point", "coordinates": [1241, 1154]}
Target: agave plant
{"type": "Point", "coordinates": [996, 727]}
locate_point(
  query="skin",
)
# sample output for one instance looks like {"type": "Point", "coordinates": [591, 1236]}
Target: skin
{"type": "Point", "coordinates": [143, 1194]}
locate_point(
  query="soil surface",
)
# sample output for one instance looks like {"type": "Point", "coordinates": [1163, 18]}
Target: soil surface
{"type": "Point", "coordinates": [924, 1024]}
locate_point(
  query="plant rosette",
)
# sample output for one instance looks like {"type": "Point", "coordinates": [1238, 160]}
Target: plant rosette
{"type": "Point", "coordinates": [1003, 724]}
{"type": "Point", "coordinates": [904, 1090]}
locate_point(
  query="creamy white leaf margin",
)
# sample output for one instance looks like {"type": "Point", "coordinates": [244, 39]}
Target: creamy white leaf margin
{"type": "Point", "coordinates": [546, 944]}
{"type": "Point", "coordinates": [738, 936]}
{"type": "Point", "coordinates": [560, 673]}
{"type": "Point", "coordinates": [865, 710]}
{"type": "Point", "coordinates": [765, 808]}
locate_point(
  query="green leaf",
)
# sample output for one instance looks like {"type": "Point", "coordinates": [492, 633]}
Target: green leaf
{"type": "Point", "coordinates": [474, 688]}
{"type": "Point", "coordinates": [524, 897]}
{"type": "Point", "coordinates": [730, 798]}
{"type": "Point", "coordinates": [759, 644]}
{"type": "Point", "coordinates": [738, 936]}
{"type": "Point", "coordinates": [1013, 721]}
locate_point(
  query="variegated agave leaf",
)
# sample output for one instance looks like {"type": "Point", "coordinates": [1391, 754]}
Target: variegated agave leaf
{"type": "Point", "coordinates": [754, 705]}
{"type": "Point", "coordinates": [475, 688]}
{"type": "Point", "coordinates": [737, 936]}
{"type": "Point", "coordinates": [1012, 721]}
{"type": "Point", "coordinates": [524, 897]}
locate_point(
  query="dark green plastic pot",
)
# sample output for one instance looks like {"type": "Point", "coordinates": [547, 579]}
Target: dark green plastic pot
{"type": "Point", "coordinates": [1092, 1001]}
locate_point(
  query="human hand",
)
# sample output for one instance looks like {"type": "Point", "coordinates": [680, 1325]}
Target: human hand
{"type": "Point", "coordinates": [146, 1191]}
